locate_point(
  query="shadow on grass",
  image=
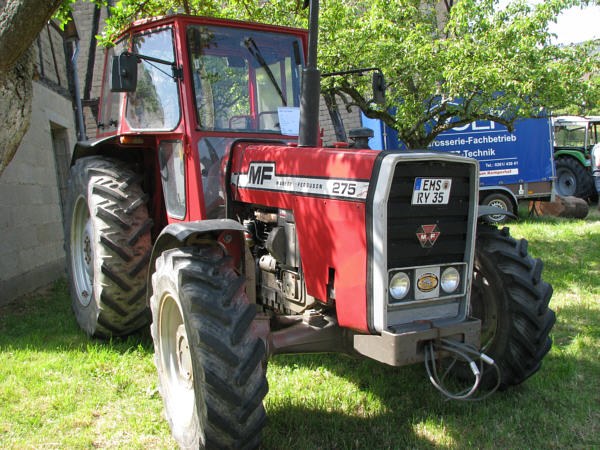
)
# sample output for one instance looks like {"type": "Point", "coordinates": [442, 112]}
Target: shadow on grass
{"type": "Point", "coordinates": [563, 396]}
{"type": "Point", "coordinates": [296, 427]}
{"type": "Point", "coordinates": [412, 414]}
{"type": "Point", "coordinates": [44, 321]}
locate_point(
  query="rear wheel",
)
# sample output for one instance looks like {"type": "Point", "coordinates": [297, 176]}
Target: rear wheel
{"type": "Point", "coordinates": [500, 201]}
{"type": "Point", "coordinates": [572, 179]}
{"type": "Point", "coordinates": [511, 299]}
{"type": "Point", "coordinates": [209, 360]}
{"type": "Point", "coordinates": [107, 239]}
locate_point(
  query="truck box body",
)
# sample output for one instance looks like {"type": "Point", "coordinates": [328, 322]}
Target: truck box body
{"type": "Point", "coordinates": [521, 161]}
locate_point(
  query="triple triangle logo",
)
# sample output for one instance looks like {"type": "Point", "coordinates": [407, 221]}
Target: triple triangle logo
{"type": "Point", "coordinates": [427, 235]}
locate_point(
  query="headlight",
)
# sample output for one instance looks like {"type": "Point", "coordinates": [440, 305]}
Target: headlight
{"type": "Point", "coordinates": [399, 285]}
{"type": "Point", "coordinates": [450, 280]}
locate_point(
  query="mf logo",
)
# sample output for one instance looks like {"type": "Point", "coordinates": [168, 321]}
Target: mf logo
{"type": "Point", "coordinates": [428, 235]}
{"type": "Point", "coordinates": [260, 172]}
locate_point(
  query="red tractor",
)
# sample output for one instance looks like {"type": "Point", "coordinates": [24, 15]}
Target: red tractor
{"type": "Point", "coordinates": [244, 242]}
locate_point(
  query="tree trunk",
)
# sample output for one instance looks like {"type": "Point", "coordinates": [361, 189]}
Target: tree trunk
{"type": "Point", "coordinates": [20, 23]}
{"type": "Point", "coordinates": [16, 89]}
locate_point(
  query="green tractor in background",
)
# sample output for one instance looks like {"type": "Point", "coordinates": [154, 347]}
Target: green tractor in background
{"type": "Point", "coordinates": [574, 138]}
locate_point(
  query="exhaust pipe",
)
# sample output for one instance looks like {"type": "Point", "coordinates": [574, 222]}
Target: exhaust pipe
{"type": "Point", "coordinates": [311, 84]}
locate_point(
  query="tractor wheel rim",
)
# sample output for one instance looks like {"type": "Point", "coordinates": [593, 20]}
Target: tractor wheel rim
{"type": "Point", "coordinates": [82, 251]}
{"type": "Point", "coordinates": [176, 361]}
{"type": "Point", "coordinates": [566, 182]}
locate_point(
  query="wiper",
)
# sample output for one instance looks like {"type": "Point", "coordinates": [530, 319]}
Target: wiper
{"type": "Point", "coordinates": [177, 71]}
{"type": "Point", "coordinates": [254, 51]}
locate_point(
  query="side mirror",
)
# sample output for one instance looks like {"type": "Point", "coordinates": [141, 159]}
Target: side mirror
{"type": "Point", "coordinates": [378, 88]}
{"type": "Point", "coordinates": [124, 73]}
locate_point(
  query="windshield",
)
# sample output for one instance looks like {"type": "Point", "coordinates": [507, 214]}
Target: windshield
{"type": "Point", "coordinates": [241, 77]}
{"type": "Point", "coordinates": [569, 135]}
{"type": "Point", "coordinates": [577, 135]}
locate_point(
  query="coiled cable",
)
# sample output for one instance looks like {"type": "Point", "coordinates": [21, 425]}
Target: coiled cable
{"type": "Point", "coordinates": [460, 352]}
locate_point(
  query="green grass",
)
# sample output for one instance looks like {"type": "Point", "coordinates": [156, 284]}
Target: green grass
{"type": "Point", "coordinates": [59, 389]}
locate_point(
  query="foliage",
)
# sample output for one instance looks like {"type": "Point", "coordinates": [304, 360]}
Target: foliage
{"type": "Point", "coordinates": [480, 62]}
{"type": "Point", "coordinates": [442, 69]}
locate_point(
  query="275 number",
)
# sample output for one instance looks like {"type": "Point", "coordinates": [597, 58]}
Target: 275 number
{"type": "Point", "coordinates": [342, 188]}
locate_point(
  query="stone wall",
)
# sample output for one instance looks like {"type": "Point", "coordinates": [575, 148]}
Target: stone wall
{"type": "Point", "coordinates": [350, 120]}
{"type": "Point", "coordinates": [34, 183]}
{"type": "Point", "coordinates": [31, 247]}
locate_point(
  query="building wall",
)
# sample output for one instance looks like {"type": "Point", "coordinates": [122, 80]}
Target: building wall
{"type": "Point", "coordinates": [90, 22]}
{"type": "Point", "coordinates": [31, 247]}
{"type": "Point", "coordinates": [350, 119]}
{"type": "Point", "coordinates": [50, 63]}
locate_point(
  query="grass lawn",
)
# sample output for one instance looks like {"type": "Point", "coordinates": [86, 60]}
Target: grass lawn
{"type": "Point", "coordinates": [59, 389]}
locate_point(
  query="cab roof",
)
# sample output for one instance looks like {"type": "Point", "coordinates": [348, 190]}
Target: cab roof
{"type": "Point", "coordinates": [153, 22]}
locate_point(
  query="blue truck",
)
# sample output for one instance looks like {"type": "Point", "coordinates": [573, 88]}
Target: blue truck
{"type": "Point", "coordinates": [513, 166]}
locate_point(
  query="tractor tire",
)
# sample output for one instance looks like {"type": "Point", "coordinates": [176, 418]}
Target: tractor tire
{"type": "Point", "coordinates": [572, 179]}
{"type": "Point", "coordinates": [108, 247]}
{"type": "Point", "coordinates": [501, 201]}
{"type": "Point", "coordinates": [209, 359]}
{"type": "Point", "coordinates": [511, 299]}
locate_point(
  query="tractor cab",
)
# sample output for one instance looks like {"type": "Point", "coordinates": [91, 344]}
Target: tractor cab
{"type": "Point", "coordinates": [212, 81]}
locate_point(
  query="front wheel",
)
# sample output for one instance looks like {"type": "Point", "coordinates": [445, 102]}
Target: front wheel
{"type": "Point", "coordinates": [209, 359]}
{"type": "Point", "coordinates": [511, 299]}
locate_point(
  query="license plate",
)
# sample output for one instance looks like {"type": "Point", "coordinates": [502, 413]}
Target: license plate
{"type": "Point", "coordinates": [431, 191]}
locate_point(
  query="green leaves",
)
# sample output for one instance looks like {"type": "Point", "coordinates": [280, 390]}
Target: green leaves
{"type": "Point", "coordinates": [476, 62]}
{"type": "Point", "coordinates": [485, 63]}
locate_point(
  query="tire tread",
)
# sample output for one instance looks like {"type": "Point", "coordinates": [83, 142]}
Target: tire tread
{"type": "Point", "coordinates": [117, 206]}
{"type": "Point", "coordinates": [218, 319]}
{"type": "Point", "coordinates": [526, 296]}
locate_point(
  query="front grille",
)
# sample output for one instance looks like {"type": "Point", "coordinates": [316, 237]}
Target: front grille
{"type": "Point", "coordinates": [404, 219]}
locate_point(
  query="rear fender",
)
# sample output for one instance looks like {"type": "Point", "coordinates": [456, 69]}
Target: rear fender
{"type": "Point", "coordinates": [93, 147]}
{"type": "Point", "coordinates": [227, 233]}
{"type": "Point", "coordinates": [113, 146]}
{"type": "Point", "coordinates": [578, 155]}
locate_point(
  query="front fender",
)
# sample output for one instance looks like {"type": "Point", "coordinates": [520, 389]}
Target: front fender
{"type": "Point", "coordinates": [186, 234]}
